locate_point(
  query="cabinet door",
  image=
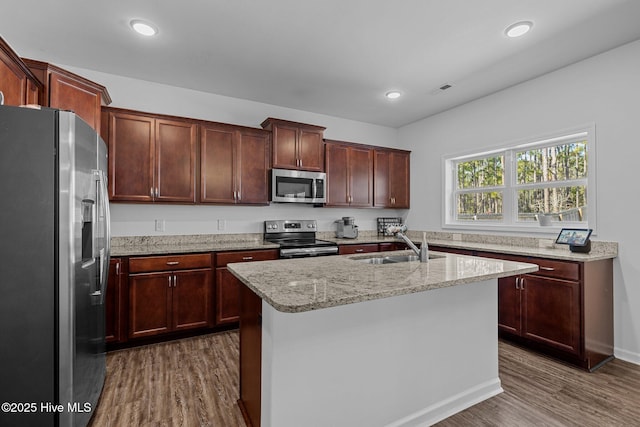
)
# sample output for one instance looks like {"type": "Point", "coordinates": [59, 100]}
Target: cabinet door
{"type": "Point", "coordinates": [67, 93]}
{"type": "Point", "coordinates": [310, 150]}
{"type": "Point", "coordinates": [357, 249]}
{"type": "Point", "coordinates": [252, 151]}
{"type": "Point", "coordinates": [192, 299]}
{"type": "Point", "coordinates": [227, 297]}
{"type": "Point", "coordinates": [285, 152]}
{"type": "Point", "coordinates": [13, 83]}
{"type": "Point", "coordinates": [509, 319]}
{"type": "Point", "coordinates": [551, 312]}
{"type": "Point", "coordinates": [131, 157]}
{"type": "Point", "coordinates": [391, 179]}
{"type": "Point", "coordinates": [360, 177]}
{"type": "Point", "coordinates": [112, 302]}
{"type": "Point", "coordinates": [337, 175]}
{"type": "Point", "coordinates": [399, 179]}
{"type": "Point", "coordinates": [381, 176]}
{"type": "Point", "coordinates": [150, 304]}
{"type": "Point", "coordinates": [176, 161]}
{"type": "Point", "coordinates": [217, 165]}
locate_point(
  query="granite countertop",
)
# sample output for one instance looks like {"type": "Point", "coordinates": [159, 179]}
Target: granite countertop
{"type": "Point", "coordinates": [160, 245]}
{"type": "Point", "coordinates": [525, 246]}
{"type": "Point", "coordinates": [305, 284]}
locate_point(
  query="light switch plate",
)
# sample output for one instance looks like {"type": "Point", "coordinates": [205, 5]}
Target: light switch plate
{"type": "Point", "coordinates": [159, 224]}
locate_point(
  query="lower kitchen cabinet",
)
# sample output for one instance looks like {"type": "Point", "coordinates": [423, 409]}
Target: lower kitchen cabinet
{"type": "Point", "coordinates": [169, 293]}
{"type": "Point", "coordinates": [358, 248]}
{"type": "Point", "coordinates": [565, 309]}
{"type": "Point", "coordinates": [250, 401]}
{"type": "Point", "coordinates": [228, 286]}
{"type": "Point", "coordinates": [113, 301]}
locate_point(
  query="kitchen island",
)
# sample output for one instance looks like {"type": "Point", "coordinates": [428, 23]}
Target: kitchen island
{"type": "Point", "coordinates": [340, 341]}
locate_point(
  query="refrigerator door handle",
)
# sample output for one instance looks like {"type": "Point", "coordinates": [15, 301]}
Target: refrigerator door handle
{"type": "Point", "coordinates": [105, 252]}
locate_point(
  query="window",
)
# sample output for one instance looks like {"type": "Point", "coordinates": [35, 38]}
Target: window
{"type": "Point", "coordinates": [524, 185]}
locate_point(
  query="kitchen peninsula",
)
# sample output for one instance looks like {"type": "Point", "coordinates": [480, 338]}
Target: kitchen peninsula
{"type": "Point", "coordinates": [340, 341]}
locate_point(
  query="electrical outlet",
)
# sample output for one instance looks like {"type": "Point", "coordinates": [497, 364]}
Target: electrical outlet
{"type": "Point", "coordinates": [222, 224]}
{"type": "Point", "coordinates": [159, 224]}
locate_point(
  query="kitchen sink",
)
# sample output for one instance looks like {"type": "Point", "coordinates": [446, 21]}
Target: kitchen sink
{"type": "Point", "coordinates": [394, 259]}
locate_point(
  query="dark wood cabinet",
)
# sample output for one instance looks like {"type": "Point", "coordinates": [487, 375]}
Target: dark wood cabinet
{"type": "Point", "coordinates": [234, 165]}
{"type": "Point", "coordinates": [391, 178]}
{"type": "Point", "coordinates": [114, 301]}
{"type": "Point", "coordinates": [68, 91]}
{"type": "Point", "coordinates": [349, 169]}
{"type": "Point", "coordinates": [565, 309]}
{"type": "Point", "coordinates": [169, 293]}
{"type": "Point", "coordinates": [360, 248]}
{"type": "Point", "coordinates": [18, 84]}
{"type": "Point", "coordinates": [250, 400]}
{"type": "Point", "coordinates": [392, 246]}
{"type": "Point", "coordinates": [296, 145]}
{"type": "Point", "coordinates": [151, 159]}
{"type": "Point", "coordinates": [228, 286]}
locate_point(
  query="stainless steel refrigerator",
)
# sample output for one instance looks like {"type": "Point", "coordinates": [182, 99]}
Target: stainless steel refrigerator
{"type": "Point", "coordinates": [54, 257]}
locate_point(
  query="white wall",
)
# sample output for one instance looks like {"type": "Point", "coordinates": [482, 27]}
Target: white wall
{"type": "Point", "coordinates": [604, 90]}
{"type": "Point", "coordinates": [133, 220]}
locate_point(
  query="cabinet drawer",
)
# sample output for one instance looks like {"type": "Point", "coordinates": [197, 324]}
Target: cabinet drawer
{"type": "Point", "coordinates": [169, 263]}
{"type": "Point", "coordinates": [224, 258]}
{"type": "Point", "coordinates": [357, 249]}
{"type": "Point", "coordinates": [557, 269]}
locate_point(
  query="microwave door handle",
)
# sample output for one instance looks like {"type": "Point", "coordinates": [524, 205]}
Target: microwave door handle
{"type": "Point", "coordinates": [314, 189]}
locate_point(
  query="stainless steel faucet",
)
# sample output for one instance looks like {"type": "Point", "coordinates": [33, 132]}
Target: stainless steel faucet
{"type": "Point", "coordinates": [398, 231]}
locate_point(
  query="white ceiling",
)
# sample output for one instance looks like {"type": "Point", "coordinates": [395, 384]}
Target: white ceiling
{"type": "Point", "coordinates": [335, 57]}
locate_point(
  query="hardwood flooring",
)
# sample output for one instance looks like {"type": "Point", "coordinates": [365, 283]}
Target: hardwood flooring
{"type": "Point", "coordinates": [194, 382]}
{"type": "Point", "coordinates": [187, 382]}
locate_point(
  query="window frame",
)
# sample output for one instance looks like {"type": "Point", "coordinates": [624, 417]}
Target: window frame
{"type": "Point", "coordinates": [510, 186]}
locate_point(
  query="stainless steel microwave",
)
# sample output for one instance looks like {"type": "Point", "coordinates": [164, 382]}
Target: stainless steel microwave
{"type": "Point", "coordinates": [291, 186]}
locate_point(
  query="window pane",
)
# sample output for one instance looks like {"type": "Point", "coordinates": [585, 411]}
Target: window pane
{"type": "Point", "coordinates": [479, 173]}
{"type": "Point", "coordinates": [558, 163]}
{"type": "Point", "coordinates": [479, 206]}
{"type": "Point", "coordinates": [564, 203]}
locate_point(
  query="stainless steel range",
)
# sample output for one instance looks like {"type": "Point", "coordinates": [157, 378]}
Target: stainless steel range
{"type": "Point", "coordinates": [297, 238]}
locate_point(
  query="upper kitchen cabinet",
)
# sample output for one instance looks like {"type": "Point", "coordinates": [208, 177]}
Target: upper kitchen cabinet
{"type": "Point", "coordinates": [17, 83]}
{"type": "Point", "coordinates": [391, 178]}
{"type": "Point", "coordinates": [349, 170]}
{"type": "Point", "coordinates": [234, 164]}
{"type": "Point", "coordinates": [69, 91]}
{"type": "Point", "coordinates": [296, 145]}
{"type": "Point", "coordinates": [152, 158]}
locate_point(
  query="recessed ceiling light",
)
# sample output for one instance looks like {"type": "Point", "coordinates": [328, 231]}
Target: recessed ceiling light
{"type": "Point", "coordinates": [393, 94]}
{"type": "Point", "coordinates": [518, 29]}
{"type": "Point", "coordinates": [144, 28]}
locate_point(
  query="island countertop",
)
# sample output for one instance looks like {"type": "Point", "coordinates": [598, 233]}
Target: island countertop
{"type": "Point", "coordinates": [305, 284]}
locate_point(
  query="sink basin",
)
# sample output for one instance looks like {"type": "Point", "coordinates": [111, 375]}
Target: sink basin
{"type": "Point", "coordinates": [394, 259]}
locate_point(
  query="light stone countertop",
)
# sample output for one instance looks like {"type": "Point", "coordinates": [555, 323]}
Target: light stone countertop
{"type": "Point", "coordinates": [161, 245]}
{"type": "Point", "coordinates": [305, 284]}
{"type": "Point", "coordinates": [524, 246]}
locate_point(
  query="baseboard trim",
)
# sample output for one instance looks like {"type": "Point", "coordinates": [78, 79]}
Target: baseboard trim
{"type": "Point", "coordinates": [445, 408]}
{"type": "Point", "coordinates": [627, 356]}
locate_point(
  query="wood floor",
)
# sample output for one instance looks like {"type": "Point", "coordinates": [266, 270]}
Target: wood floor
{"type": "Point", "coordinates": [194, 382]}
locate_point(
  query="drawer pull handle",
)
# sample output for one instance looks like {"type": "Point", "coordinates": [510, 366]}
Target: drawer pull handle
{"type": "Point", "coordinates": [247, 258]}
{"type": "Point", "coordinates": [547, 268]}
{"type": "Point", "coordinates": [359, 250]}
{"type": "Point", "coordinates": [173, 262]}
